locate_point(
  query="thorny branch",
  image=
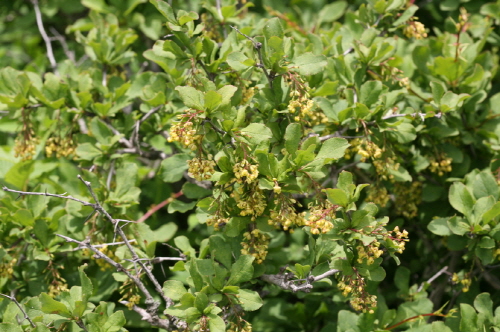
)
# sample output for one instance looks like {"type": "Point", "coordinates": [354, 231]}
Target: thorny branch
{"type": "Point", "coordinates": [152, 305]}
{"type": "Point", "coordinates": [46, 39]}
{"type": "Point", "coordinates": [284, 281]}
{"type": "Point", "coordinates": [13, 299]}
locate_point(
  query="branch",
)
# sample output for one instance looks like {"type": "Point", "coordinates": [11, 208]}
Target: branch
{"type": "Point", "coordinates": [258, 47]}
{"type": "Point", "coordinates": [146, 316]}
{"type": "Point", "coordinates": [135, 133]}
{"type": "Point", "coordinates": [159, 206]}
{"type": "Point", "coordinates": [150, 302]}
{"type": "Point", "coordinates": [283, 280]}
{"type": "Point", "coordinates": [13, 299]}
{"type": "Point", "coordinates": [434, 277]}
{"type": "Point", "coordinates": [46, 39]}
{"type": "Point", "coordinates": [135, 257]}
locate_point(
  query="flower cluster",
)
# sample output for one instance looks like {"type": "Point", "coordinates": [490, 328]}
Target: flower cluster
{"type": "Point", "coordinates": [415, 29]}
{"type": "Point", "coordinates": [355, 286]}
{"type": "Point", "coordinates": [369, 253]}
{"type": "Point", "coordinates": [255, 243]}
{"type": "Point", "coordinates": [217, 221]}
{"type": "Point", "coordinates": [408, 197]}
{"type": "Point", "coordinates": [58, 283]}
{"type": "Point", "coordinates": [378, 195]}
{"type": "Point", "coordinates": [129, 293]}
{"type": "Point", "coordinates": [185, 133]}
{"type": "Point", "coordinates": [250, 200]}
{"type": "Point", "coordinates": [400, 238]}
{"type": "Point", "coordinates": [368, 149]}
{"type": "Point", "coordinates": [465, 281]}
{"type": "Point", "coordinates": [101, 262]}
{"type": "Point", "coordinates": [245, 172]}
{"type": "Point", "coordinates": [286, 216]}
{"type": "Point", "coordinates": [241, 326]}
{"type": "Point", "coordinates": [62, 147]}
{"type": "Point", "coordinates": [7, 269]}
{"type": "Point", "coordinates": [201, 169]}
{"type": "Point", "coordinates": [321, 216]}
{"type": "Point", "coordinates": [441, 164]}
{"type": "Point", "coordinates": [25, 145]}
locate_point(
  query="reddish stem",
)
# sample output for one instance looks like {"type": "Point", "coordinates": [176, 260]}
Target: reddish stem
{"type": "Point", "coordinates": [411, 318]}
{"type": "Point", "coordinates": [159, 206]}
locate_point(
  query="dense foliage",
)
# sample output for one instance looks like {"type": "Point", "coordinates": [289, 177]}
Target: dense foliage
{"type": "Point", "coordinates": [223, 165]}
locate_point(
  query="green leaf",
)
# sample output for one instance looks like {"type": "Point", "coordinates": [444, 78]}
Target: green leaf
{"type": "Point", "coordinates": [469, 318]}
{"type": "Point", "coordinates": [337, 196]}
{"type": "Point", "coordinates": [174, 167]}
{"type": "Point", "coordinates": [440, 227]}
{"type": "Point", "coordinates": [249, 300]}
{"type": "Point", "coordinates": [332, 12]}
{"type": "Point", "coordinates": [241, 270]}
{"type": "Point", "coordinates": [87, 288]}
{"type": "Point", "coordinates": [51, 306]}
{"type": "Point", "coordinates": [485, 185]}
{"type": "Point", "coordinates": [191, 97]}
{"type": "Point", "coordinates": [174, 289]}
{"type": "Point", "coordinates": [484, 305]}
{"type": "Point", "coordinates": [293, 135]}
{"type": "Point", "coordinates": [461, 199]}
{"type": "Point", "coordinates": [216, 323]}
{"type": "Point", "coordinates": [87, 151]}
{"type": "Point", "coordinates": [256, 133]}
{"type": "Point", "coordinates": [165, 9]}
{"type": "Point", "coordinates": [331, 150]}
{"type": "Point", "coordinates": [9, 327]}
{"type": "Point", "coordinates": [491, 213]}
{"type": "Point", "coordinates": [182, 242]}
{"type": "Point", "coordinates": [309, 64]}
{"type": "Point", "coordinates": [272, 28]}
{"type": "Point", "coordinates": [370, 92]}
{"type": "Point", "coordinates": [201, 301]}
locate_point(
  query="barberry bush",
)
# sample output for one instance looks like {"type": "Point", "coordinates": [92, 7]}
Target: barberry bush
{"type": "Point", "coordinates": [228, 165]}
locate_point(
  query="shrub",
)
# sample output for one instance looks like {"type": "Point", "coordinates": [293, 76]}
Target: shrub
{"type": "Point", "coordinates": [230, 166]}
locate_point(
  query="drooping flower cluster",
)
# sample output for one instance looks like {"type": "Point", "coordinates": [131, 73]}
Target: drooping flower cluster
{"type": "Point", "coordinates": [321, 217]}
{"type": "Point", "coordinates": [415, 29]}
{"type": "Point", "coordinates": [369, 253]}
{"type": "Point", "coordinates": [244, 172]}
{"type": "Point", "coordinates": [129, 293]}
{"type": "Point", "coordinates": [250, 200]}
{"type": "Point", "coordinates": [408, 197]}
{"type": "Point", "coordinates": [241, 326]}
{"type": "Point", "coordinates": [464, 279]}
{"type": "Point", "coordinates": [61, 147]}
{"type": "Point", "coordinates": [255, 243]}
{"type": "Point", "coordinates": [25, 144]}
{"type": "Point", "coordinates": [400, 238]}
{"type": "Point", "coordinates": [355, 286]}
{"type": "Point", "coordinates": [185, 132]}
{"type": "Point", "coordinates": [7, 269]}
{"type": "Point", "coordinates": [284, 214]}
{"type": "Point", "coordinates": [440, 165]}
{"type": "Point", "coordinates": [377, 194]}
{"type": "Point", "coordinates": [217, 221]}
{"type": "Point", "coordinates": [201, 169]}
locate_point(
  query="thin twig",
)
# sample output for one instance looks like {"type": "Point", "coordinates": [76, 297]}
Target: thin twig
{"type": "Point", "coordinates": [134, 138]}
{"type": "Point", "coordinates": [434, 277]}
{"type": "Point", "coordinates": [13, 299]}
{"type": "Point", "coordinates": [283, 280]}
{"type": "Point", "coordinates": [258, 47]}
{"type": "Point", "coordinates": [150, 212]}
{"type": "Point", "coordinates": [146, 316]}
{"type": "Point", "coordinates": [46, 39]}
{"type": "Point", "coordinates": [62, 40]}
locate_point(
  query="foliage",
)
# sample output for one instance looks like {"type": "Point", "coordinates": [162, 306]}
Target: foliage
{"type": "Point", "coordinates": [237, 166]}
